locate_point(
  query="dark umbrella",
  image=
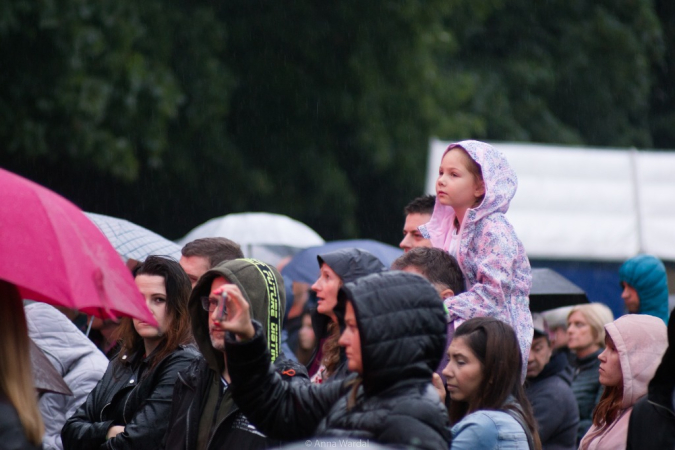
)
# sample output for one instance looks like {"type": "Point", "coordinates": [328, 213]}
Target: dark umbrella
{"type": "Point", "coordinates": [45, 376]}
{"type": "Point", "coordinates": [551, 290]}
{"type": "Point", "coordinates": [304, 266]}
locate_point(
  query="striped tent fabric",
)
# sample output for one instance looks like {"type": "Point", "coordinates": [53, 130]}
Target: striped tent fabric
{"type": "Point", "coordinates": [133, 241]}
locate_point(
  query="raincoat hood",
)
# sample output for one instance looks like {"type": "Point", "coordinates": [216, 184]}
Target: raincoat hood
{"type": "Point", "coordinates": [647, 274]}
{"type": "Point", "coordinates": [640, 341]}
{"type": "Point", "coordinates": [402, 327]}
{"type": "Point", "coordinates": [500, 181]}
{"type": "Point", "coordinates": [263, 288]}
{"type": "Point", "coordinates": [351, 263]}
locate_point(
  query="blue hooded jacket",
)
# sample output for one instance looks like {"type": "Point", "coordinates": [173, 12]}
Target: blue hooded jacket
{"type": "Point", "coordinates": [647, 274]}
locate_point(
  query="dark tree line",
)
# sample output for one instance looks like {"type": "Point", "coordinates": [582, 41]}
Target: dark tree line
{"type": "Point", "coordinates": [168, 113]}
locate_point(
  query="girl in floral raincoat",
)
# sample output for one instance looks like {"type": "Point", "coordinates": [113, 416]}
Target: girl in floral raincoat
{"type": "Point", "coordinates": [474, 188]}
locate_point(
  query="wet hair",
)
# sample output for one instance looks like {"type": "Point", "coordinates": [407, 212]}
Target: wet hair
{"type": "Point", "coordinates": [472, 166]}
{"type": "Point", "coordinates": [178, 332]}
{"type": "Point", "coordinates": [495, 345]}
{"type": "Point", "coordinates": [610, 404]}
{"type": "Point", "coordinates": [421, 205]}
{"type": "Point", "coordinates": [215, 249]}
{"type": "Point", "coordinates": [16, 374]}
{"type": "Point", "coordinates": [436, 265]}
{"type": "Point", "coordinates": [597, 315]}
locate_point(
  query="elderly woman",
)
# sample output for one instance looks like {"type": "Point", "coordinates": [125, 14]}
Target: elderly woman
{"type": "Point", "coordinates": [586, 340]}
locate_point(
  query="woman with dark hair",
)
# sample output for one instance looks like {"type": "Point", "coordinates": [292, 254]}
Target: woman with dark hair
{"type": "Point", "coordinates": [21, 426]}
{"type": "Point", "coordinates": [336, 268]}
{"type": "Point", "coordinates": [634, 345]}
{"type": "Point", "coordinates": [130, 406]}
{"type": "Point", "coordinates": [489, 408]}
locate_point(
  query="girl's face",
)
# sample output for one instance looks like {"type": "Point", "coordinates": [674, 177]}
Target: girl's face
{"type": "Point", "coordinates": [306, 336]}
{"type": "Point", "coordinates": [610, 365]}
{"type": "Point", "coordinates": [153, 289]}
{"type": "Point", "coordinates": [464, 372]}
{"type": "Point", "coordinates": [456, 186]}
{"type": "Point", "coordinates": [579, 332]}
{"type": "Point", "coordinates": [326, 288]}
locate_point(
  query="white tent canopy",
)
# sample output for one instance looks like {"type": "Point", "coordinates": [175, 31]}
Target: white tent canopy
{"type": "Point", "coordinates": [587, 203]}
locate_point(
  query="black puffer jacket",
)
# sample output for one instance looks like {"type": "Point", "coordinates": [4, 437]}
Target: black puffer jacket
{"type": "Point", "coordinates": [401, 324]}
{"type": "Point", "coordinates": [141, 404]}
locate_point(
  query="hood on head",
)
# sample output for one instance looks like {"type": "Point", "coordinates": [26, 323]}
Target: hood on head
{"type": "Point", "coordinates": [351, 263]}
{"type": "Point", "coordinates": [402, 326]}
{"type": "Point", "coordinates": [640, 341]}
{"type": "Point", "coordinates": [500, 179]}
{"type": "Point", "coordinates": [263, 288]}
{"type": "Point", "coordinates": [647, 274]}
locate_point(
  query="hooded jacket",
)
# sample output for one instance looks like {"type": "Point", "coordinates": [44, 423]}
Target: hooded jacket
{"type": "Point", "coordinates": [640, 341]}
{"type": "Point", "coordinates": [401, 323]}
{"type": "Point", "coordinates": [492, 258]}
{"type": "Point", "coordinates": [349, 264]}
{"type": "Point", "coordinates": [647, 274]}
{"type": "Point", "coordinates": [262, 287]}
{"type": "Point", "coordinates": [554, 405]}
{"type": "Point", "coordinates": [74, 356]}
{"type": "Point", "coordinates": [652, 423]}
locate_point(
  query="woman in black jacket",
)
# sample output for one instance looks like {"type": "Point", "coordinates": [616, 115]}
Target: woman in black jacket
{"type": "Point", "coordinates": [394, 336]}
{"type": "Point", "coordinates": [130, 406]}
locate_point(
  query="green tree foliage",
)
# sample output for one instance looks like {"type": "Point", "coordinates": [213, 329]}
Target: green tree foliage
{"type": "Point", "coordinates": [169, 113]}
{"type": "Point", "coordinates": [568, 72]}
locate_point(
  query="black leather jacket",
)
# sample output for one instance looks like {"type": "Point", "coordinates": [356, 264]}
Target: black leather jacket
{"type": "Point", "coordinates": [141, 402]}
{"type": "Point", "coordinates": [234, 431]}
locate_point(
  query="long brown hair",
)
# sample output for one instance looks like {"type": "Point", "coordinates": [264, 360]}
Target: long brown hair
{"type": "Point", "coordinates": [178, 289]}
{"type": "Point", "coordinates": [331, 350]}
{"type": "Point", "coordinates": [609, 406]}
{"type": "Point", "coordinates": [495, 345]}
{"type": "Point", "coordinates": [16, 375]}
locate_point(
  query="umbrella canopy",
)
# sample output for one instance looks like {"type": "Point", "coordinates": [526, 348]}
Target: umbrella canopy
{"type": "Point", "coordinates": [552, 290]}
{"type": "Point", "coordinates": [304, 266]}
{"type": "Point", "coordinates": [133, 241]}
{"type": "Point", "coordinates": [45, 375]}
{"type": "Point", "coordinates": [53, 253]}
{"type": "Point", "coordinates": [265, 236]}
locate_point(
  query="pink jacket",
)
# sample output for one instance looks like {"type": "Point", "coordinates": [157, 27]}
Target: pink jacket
{"type": "Point", "coordinates": [640, 341]}
{"type": "Point", "coordinates": [492, 258]}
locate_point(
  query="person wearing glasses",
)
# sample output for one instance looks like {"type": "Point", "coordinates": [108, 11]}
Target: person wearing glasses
{"type": "Point", "coordinates": [204, 414]}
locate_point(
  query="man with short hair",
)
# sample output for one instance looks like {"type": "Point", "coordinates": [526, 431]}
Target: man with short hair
{"type": "Point", "coordinates": [442, 271]}
{"type": "Point", "coordinates": [437, 266]}
{"type": "Point", "coordinates": [548, 387]}
{"type": "Point", "coordinates": [204, 415]}
{"type": "Point", "coordinates": [417, 212]}
{"type": "Point", "coordinates": [200, 255]}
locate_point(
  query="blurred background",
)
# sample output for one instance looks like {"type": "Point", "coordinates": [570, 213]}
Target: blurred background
{"type": "Point", "coordinates": [170, 113]}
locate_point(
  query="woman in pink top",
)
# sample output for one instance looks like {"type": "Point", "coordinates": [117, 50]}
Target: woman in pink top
{"type": "Point", "coordinates": [474, 188]}
{"type": "Point", "coordinates": [634, 346]}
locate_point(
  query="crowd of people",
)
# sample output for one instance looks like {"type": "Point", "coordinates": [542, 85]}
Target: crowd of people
{"type": "Point", "coordinates": [438, 351]}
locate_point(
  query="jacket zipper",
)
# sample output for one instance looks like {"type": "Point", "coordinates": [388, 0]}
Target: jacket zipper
{"type": "Point", "coordinates": [103, 409]}
{"type": "Point", "coordinates": [670, 412]}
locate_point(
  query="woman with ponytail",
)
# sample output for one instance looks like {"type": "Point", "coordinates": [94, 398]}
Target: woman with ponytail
{"type": "Point", "coordinates": [21, 426]}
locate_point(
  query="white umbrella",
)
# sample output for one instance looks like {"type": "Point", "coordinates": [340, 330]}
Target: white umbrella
{"type": "Point", "coordinates": [266, 236]}
{"type": "Point", "coordinates": [133, 241]}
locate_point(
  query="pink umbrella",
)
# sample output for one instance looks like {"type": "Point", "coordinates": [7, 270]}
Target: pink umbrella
{"type": "Point", "coordinates": [53, 253]}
